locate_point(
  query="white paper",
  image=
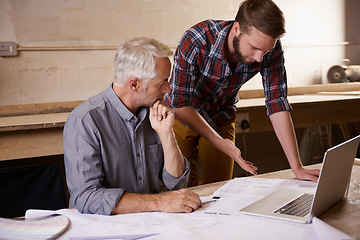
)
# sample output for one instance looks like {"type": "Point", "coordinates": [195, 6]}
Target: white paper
{"type": "Point", "coordinates": [218, 219]}
{"type": "Point", "coordinates": [178, 226]}
{"type": "Point", "coordinates": [260, 187]}
{"type": "Point", "coordinates": [241, 192]}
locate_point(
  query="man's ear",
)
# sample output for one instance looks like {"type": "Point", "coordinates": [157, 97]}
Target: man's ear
{"type": "Point", "coordinates": [236, 28]}
{"type": "Point", "coordinates": [134, 84]}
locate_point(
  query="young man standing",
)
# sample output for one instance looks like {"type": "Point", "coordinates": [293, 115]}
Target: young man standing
{"type": "Point", "coordinates": [212, 61]}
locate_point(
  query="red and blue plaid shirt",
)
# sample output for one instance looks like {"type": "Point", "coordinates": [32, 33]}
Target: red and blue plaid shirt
{"type": "Point", "coordinates": [202, 77]}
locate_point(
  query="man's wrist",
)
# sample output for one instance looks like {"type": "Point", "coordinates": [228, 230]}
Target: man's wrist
{"type": "Point", "coordinates": [296, 169]}
{"type": "Point", "coordinates": [135, 202]}
{"type": "Point", "coordinates": [167, 137]}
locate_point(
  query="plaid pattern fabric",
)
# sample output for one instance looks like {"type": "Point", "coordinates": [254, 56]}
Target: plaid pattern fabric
{"type": "Point", "coordinates": [202, 77]}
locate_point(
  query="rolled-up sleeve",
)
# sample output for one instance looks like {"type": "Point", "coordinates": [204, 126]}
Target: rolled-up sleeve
{"type": "Point", "coordinates": [173, 183]}
{"type": "Point", "coordinates": [275, 81]}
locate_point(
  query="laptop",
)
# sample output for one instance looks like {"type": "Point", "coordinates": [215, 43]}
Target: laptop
{"type": "Point", "coordinates": [332, 185]}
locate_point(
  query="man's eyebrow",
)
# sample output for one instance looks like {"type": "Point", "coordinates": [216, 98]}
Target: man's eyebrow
{"type": "Point", "coordinates": [255, 47]}
{"type": "Point", "coordinates": [164, 81]}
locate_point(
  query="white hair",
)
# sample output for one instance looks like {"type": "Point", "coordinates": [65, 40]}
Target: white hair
{"type": "Point", "coordinates": [136, 58]}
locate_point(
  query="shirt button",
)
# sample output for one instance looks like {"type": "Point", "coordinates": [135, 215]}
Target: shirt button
{"type": "Point", "coordinates": [138, 155]}
{"type": "Point", "coordinates": [139, 178]}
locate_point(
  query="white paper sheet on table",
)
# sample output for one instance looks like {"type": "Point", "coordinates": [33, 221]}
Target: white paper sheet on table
{"type": "Point", "coordinates": [240, 192]}
{"type": "Point", "coordinates": [227, 223]}
{"type": "Point", "coordinates": [181, 226]}
{"type": "Point", "coordinates": [260, 187]}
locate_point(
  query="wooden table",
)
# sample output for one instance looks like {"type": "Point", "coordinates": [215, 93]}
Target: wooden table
{"type": "Point", "coordinates": [34, 130]}
{"type": "Point", "coordinates": [345, 216]}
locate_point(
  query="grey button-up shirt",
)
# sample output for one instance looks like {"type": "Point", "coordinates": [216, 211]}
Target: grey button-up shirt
{"type": "Point", "coordinates": [109, 150]}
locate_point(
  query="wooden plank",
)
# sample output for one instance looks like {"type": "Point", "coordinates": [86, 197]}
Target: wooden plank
{"type": "Point", "coordinates": [311, 89]}
{"type": "Point", "coordinates": [28, 122]}
{"type": "Point", "coordinates": [37, 108]}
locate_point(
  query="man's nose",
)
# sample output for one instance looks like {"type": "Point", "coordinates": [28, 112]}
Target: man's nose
{"type": "Point", "coordinates": [166, 87]}
{"type": "Point", "coordinates": [259, 56]}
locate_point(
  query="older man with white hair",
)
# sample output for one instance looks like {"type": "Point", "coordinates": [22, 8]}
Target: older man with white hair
{"type": "Point", "coordinates": [120, 143]}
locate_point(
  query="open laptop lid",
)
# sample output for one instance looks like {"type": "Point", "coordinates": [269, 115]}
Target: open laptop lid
{"type": "Point", "coordinates": [334, 176]}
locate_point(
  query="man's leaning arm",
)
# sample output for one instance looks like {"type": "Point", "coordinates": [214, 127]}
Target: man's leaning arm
{"type": "Point", "coordinates": [181, 201]}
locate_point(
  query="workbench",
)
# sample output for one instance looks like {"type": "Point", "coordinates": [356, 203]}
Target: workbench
{"type": "Point", "coordinates": [34, 130]}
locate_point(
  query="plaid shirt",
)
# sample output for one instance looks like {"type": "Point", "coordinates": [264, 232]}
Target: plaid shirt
{"type": "Point", "coordinates": [202, 77]}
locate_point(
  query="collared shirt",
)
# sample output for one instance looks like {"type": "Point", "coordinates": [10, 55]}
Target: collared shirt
{"type": "Point", "coordinates": [202, 77]}
{"type": "Point", "coordinates": [109, 150]}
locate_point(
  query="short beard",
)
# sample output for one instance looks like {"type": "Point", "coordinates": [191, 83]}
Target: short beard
{"type": "Point", "coordinates": [236, 46]}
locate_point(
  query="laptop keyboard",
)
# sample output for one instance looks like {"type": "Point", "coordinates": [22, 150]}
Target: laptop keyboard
{"type": "Point", "coordinates": [300, 206]}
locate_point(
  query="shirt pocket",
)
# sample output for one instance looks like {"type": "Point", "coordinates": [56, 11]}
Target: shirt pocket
{"type": "Point", "coordinates": [154, 158]}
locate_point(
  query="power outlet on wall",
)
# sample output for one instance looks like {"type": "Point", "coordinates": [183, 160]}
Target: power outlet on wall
{"type": "Point", "coordinates": [8, 49]}
{"type": "Point", "coordinates": [242, 122]}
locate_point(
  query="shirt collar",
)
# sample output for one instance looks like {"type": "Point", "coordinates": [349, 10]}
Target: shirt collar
{"type": "Point", "coordinates": [217, 49]}
{"type": "Point", "coordinates": [122, 110]}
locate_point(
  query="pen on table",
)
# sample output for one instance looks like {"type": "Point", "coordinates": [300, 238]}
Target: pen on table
{"type": "Point", "coordinates": [208, 199]}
